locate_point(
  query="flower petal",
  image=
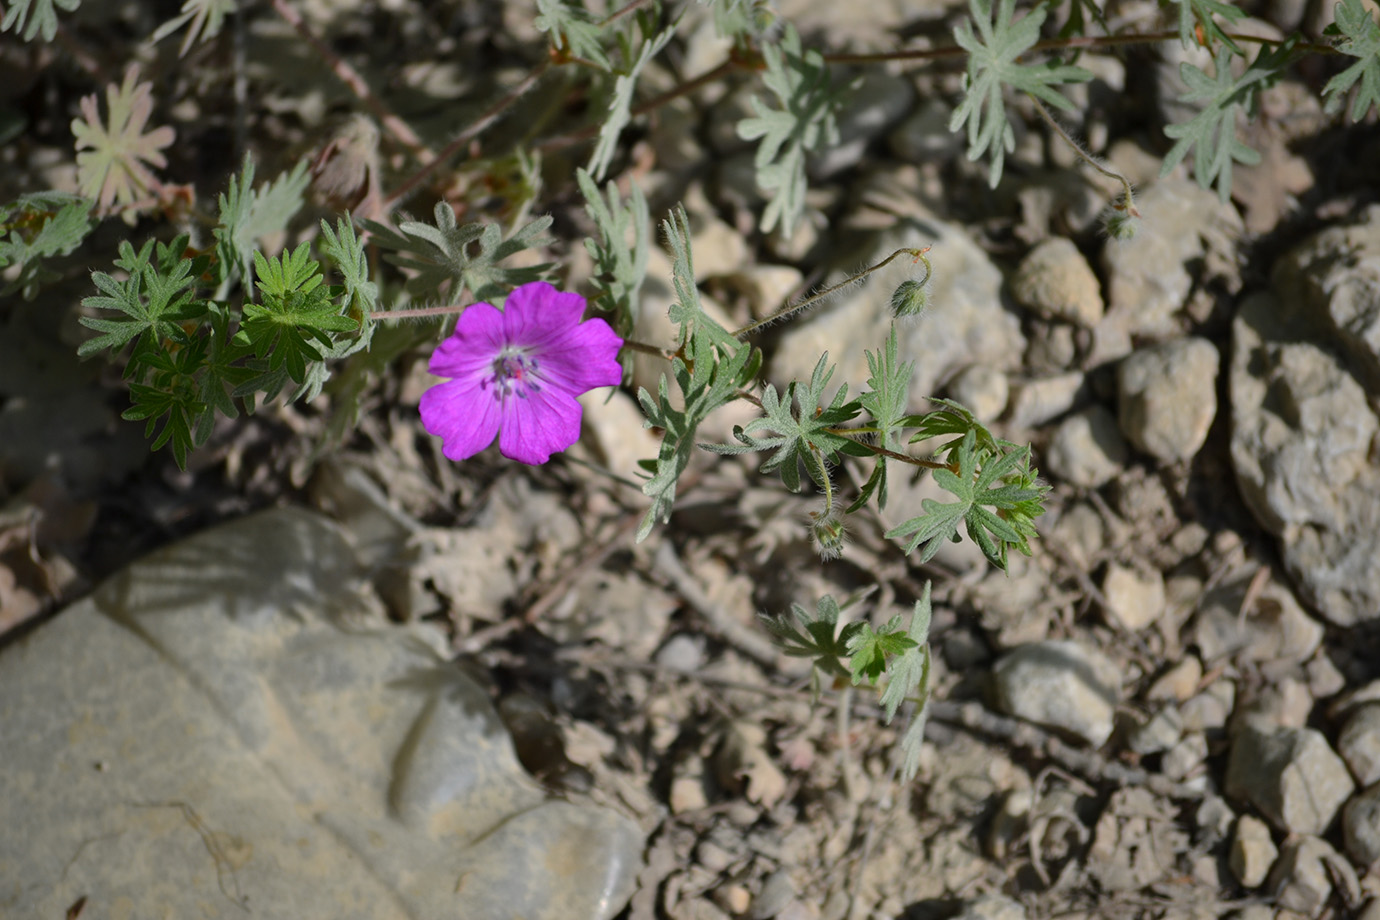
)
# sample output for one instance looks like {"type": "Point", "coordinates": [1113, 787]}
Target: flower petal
{"type": "Point", "coordinates": [537, 315]}
{"type": "Point", "coordinates": [585, 358]}
{"type": "Point", "coordinates": [546, 422]}
{"type": "Point", "coordinates": [470, 350]}
{"type": "Point", "coordinates": [462, 415]}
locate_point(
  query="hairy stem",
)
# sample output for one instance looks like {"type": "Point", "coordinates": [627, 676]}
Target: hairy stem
{"type": "Point", "coordinates": [792, 309]}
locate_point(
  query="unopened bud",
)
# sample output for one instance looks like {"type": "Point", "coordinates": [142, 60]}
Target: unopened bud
{"type": "Point", "coordinates": [911, 298]}
{"type": "Point", "coordinates": [828, 534]}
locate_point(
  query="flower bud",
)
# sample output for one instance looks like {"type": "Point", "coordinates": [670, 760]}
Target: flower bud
{"type": "Point", "coordinates": [828, 534]}
{"type": "Point", "coordinates": [911, 298]}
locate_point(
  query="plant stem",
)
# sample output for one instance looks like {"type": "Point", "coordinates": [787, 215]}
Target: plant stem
{"type": "Point", "coordinates": [394, 125]}
{"type": "Point", "coordinates": [1086, 157]}
{"type": "Point", "coordinates": [492, 114]}
{"type": "Point", "coordinates": [786, 311]}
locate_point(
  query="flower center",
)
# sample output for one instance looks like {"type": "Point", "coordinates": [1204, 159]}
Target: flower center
{"type": "Point", "coordinates": [516, 373]}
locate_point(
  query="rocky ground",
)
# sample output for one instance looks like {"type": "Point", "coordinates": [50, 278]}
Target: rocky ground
{"type": "Point", "coordinates": [1171, 710]}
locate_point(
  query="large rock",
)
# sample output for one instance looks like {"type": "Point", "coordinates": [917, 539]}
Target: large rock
{"type": "Point", "coordinates": [229, 725]}
{"type": "Point", "coordinates": [1303, 430]}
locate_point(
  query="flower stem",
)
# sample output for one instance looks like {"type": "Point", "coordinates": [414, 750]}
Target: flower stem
{"type": "Point", "coordinates": [792, 309]}
{"type": "Point", "coordinates": [1127, 196]}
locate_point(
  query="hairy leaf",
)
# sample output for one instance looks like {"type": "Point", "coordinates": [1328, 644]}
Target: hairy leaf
{"type": "Point", "coordinates": [989, 497]}
{"type": "Point", "coordinates": [445, 256]}
{"type": "Point", "coordinates": [111, 156]}
{"type": "Point", "coordinates": [1195, 15]}
{"type": "Point", "coordinates": [156, 297]}
{"type": "Point", "coordinates": [815, 636]}
{"type": "Point", "coordinates": [620, 105]}
{"type": "Point", "coordinates": [804, 123]}
{"type": "Point", "coordinates": [247, 215]}
{"type": "Point", "coordinates": [572, 28]}
{"type": "Point", "coordinates": [39, 226]}
{"type": "Point", "coordinates": [869, 650]}
{"type": "Point", "coordinates": [1361, 40]}
{"type": "Point", "coordinates": [993, 63]}
{"type": "Point", "coordinates": [1211, 134]}
{"type": "Point", "coordinates": [44, 13]}
{"type": "Point", "coordinates": [205, 18]}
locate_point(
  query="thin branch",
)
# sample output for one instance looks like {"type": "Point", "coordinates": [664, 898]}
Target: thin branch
{"type": "Point", "coordinates": [393, 124]}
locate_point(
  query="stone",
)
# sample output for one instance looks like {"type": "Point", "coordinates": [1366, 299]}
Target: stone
{"type": "Point", "coordinates": [1135, 599]}
{"type": "Point", "coordinates": [778, 889]}
{"type": "Point", "coordinates": [1178, 683]}
{"type": "Point", "coordinates": [1167, 397]}
{"type": "Point", "coordinates": [1055, 282]}
{"type": "Point", "coordinates": [1035, 402]}
{"type": "Point", "coordinates": [983, 390]}
{"type": "Point", "coordinates": [924, 135]}
{"type": "Point", "coordinates": [965, 324]}
{"type": "Point", "coordinates": [1210, 710]}
{"type": "Point", "coordinates": [1274, 628]}
{"type": "Point", "coordinates": [1060, 684]}
{"type": "Point", "coordinates": [1335, 273]}
{"type": "Point", "coordinates": [1087, 449]}
{"type": "Point", "coordinates": [992, 907]}
{"type": "Point", "coordinates": [1159, 733]}
{"type": "Point", "coordinates": [1148, 276]}
{"type": "Point", "coordinates": [877, 102]}
{"type": "Point", "coordinates": [1291, 775]}
{"type": "Point", "coordinates": [1302, 443]}
{"type": "Point", "coordinates": [1361, 826]}
{"type": "Point", "coordinates": [1185, 757]}
{"type": "Point", "coordinates": [1359, 743]}
{"type": "Point", "coordinates": [1283, 704]}
{"type": "Point", "coordinates": [1302, 878]}
{"type": "Point", "coordinates": [1253, 851]}
{"type": "Point", "coordinates": [231, 724]}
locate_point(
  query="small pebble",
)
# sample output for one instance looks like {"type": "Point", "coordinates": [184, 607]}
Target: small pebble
{"type": "Point", "coordinates": [1253, 851]}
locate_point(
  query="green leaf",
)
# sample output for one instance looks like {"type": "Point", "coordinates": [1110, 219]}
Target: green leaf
{"type": "Point", "coordinates": [40, 226]}
{"type": "Point", "coordinates": [247, 215]}
{"type": "Point", "coordinates": [345, 249]}
{"type": "Point", "coordinates": [620, 254]}
{"type": "Point", "coordinates": [984, 481]}
{"type": "Point", "coordinates": [454, 258]}
{"type": "Point", "coordinates": [909, 671]}
{"type": "Point", "coordinates": [111, 156]}
{"type": "Point", "coordinates": [801, 434]}
{"type": "Point", "coordinates": [1362, 41]}
{"type": "Point", "coordinates": [869, 650]}
{"type": "Point", "coordinates": [620, 105]}
{"type": "Point", "coordinates": [709, 370]}
{"type": "Point", "coordinates": [296, 317]}
{"type": "Point", "coordinates": [815, 636]}
{"type": "Point", "coordinates": [804, 123]}
{"type": "Point", "coordinates": [172, 394]}
{"type": "Point", "coordinates": [205, 18]}
{"type": "Point", "coordinates": [993, 63]}
{"type": "Point", "coordinates": [1212, 132]}
{"type": "Point", "coordinates": [885, 400]}
{"type": "Point", "coordinates": [156, 297]}
{"type": "Point", "coordinates": [573, 29]}
{"type": "Point", "coordinates": [44, 19]}
{"type": "Point", "coordinates": [1194, 13]}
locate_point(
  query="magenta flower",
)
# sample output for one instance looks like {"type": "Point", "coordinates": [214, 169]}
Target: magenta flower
{"type": "Point", "coordinates": [516, 375]}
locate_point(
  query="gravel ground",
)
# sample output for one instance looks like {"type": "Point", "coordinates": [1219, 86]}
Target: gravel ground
{"type": "Point", "coordinates": [1172, 709]}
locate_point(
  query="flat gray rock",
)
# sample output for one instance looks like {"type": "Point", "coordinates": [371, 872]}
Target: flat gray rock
{"type": "Point", "coordinates": [229, 728]}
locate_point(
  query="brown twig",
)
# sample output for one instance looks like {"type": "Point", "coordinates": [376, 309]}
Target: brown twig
{"type": "Point", "coordinates": [393, 124]}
